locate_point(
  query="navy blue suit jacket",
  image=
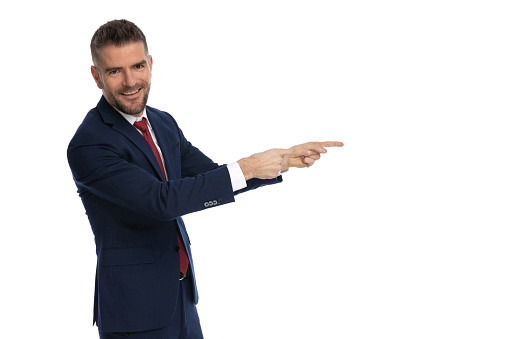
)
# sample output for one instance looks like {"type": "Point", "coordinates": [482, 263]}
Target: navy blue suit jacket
{"type": "Point", "coordinates": [135, 214]}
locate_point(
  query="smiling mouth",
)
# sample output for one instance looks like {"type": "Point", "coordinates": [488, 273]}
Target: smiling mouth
{"type": "Point", "coordinates": [131, 93]}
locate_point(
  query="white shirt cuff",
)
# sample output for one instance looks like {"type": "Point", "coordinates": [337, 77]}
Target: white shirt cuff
{"type": "Point", "coordinates": [236, 176]}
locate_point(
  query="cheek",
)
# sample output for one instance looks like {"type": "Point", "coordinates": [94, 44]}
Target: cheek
{"type": "Point", "coordinates": [110, 85]}
{"type": "Point", "coordinates": [147, 77]}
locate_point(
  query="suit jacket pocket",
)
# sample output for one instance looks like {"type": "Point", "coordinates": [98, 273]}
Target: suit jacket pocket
{"type": "Point", "coordinates": [127, 256]}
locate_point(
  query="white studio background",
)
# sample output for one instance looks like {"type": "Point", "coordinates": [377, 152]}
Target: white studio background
{"type": "Point", "coordinates": [402, 233]}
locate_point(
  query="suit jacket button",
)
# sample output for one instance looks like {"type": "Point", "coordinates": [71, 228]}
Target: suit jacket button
{"type": "Point", "coordinates": [176, 248]}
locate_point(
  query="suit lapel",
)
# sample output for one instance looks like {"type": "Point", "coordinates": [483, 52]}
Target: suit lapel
{"type": "Point", "coordinates": [118, 123]}
{"type": "Point", "coordinates": [163, 141]}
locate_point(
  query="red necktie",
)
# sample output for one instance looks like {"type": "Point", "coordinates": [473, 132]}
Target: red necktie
{"type": "Point", "coordinates": [142, 126]}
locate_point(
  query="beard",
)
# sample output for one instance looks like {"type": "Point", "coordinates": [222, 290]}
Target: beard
{"type": "Point", "coordinates": [125, 106]}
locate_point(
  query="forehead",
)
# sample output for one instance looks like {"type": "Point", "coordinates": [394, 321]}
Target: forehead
{"type": "Point", "coordinates": [122, 56]}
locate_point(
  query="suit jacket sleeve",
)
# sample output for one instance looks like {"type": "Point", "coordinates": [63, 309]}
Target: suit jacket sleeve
{"type": "Point", "coordinates": [195, 162]}
{"type": "Point", "coordinates": [99, 170]}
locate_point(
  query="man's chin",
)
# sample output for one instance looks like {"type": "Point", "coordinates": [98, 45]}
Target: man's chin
{"type": "Point", "coordinates": [130, 108]}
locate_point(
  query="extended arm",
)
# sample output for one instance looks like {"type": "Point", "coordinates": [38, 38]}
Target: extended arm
{"type": "Point", "coordinates": [98, 170]}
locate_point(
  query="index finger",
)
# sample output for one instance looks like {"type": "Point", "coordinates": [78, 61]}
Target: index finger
{"type": "Point", "coordinates": [330, 144]}
{"type": "Point", "coordinates": [319, 147]}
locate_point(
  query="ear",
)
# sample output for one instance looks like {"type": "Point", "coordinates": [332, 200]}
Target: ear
{"type": "Point", "coordinates": [150, 61]}
{"type": "Point", "coordinates": [95, 74]}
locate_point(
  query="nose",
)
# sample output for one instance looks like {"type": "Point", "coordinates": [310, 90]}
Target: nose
{"type": "Point", "coordinates": [129, 80]}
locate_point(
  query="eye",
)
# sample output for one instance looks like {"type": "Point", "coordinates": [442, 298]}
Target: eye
{"type": "Point", "coordinates": [140, 66]}
{"type": "Point", "coordinates": [113, 72]}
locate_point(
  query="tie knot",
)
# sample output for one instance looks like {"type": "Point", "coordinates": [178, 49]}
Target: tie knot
{"type": "Point", "coordinates": [142, 125]}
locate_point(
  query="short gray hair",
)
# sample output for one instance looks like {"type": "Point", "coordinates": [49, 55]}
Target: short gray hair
{"type": "Point", "coordinates": [117, 33]}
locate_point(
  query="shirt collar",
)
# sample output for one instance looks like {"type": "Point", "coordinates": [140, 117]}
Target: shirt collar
{"type": "Point", "coordinates": [131, 118]}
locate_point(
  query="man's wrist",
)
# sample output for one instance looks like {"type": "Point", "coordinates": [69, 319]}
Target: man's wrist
{"type": "Point", "coordinates": [246, 168]}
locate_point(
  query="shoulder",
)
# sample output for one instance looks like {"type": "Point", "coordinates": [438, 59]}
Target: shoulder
{"type": "Point", "coordinates": [94, 129]}
{"type": "Point", "coordinates": [91, 124]}
{"type": "Point", "coordinates": [164, 120]}
{"type": "Point", "coordinates": [165, 117]}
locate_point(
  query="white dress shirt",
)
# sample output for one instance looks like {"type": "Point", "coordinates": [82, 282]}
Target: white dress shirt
{"type": "Point", "coordinates": [236, 175]}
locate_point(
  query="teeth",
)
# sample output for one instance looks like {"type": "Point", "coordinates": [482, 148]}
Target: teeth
{"type": "Point", "coordinates": [132, 92]}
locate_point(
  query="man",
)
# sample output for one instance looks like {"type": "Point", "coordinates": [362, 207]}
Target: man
{"type": "Point", "coordinates": [137, 175]}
